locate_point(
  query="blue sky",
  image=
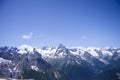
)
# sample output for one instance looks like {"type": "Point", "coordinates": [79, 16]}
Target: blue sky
{"type": "Point", "coordinates": [51, 22]}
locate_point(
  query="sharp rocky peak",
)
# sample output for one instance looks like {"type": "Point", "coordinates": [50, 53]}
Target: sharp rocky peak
{"type": "Point", "coordinates": [61, 51]}
{"type": "Point", "coordinates": [61, 45]}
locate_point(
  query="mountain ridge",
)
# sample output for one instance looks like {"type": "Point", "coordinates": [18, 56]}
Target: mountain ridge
{"type": "Point", "coordinates": [81, 60]}
{"type": "Point", "coordinates": [30, 65]}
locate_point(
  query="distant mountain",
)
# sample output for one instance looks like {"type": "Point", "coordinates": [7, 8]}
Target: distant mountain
{"type": "Point", "coordinates": [27, 65]}
{"type": "Point", "coordinates": [57, 63]}
{"type": "Point", "coordinates": [80, 63]}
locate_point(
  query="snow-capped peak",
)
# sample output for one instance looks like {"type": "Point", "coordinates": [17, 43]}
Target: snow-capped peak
{"type": "Point", "coordinates": [24, 48]}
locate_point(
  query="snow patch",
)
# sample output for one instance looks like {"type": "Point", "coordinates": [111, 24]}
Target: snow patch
{"type": "Point", "coordinates": [118, 51]}
{"type": "Point", "coordinates": [49, 52]}
{"type": "Point", "coordinates": [34, 68]}
{"type": "Point", "coordinates": [4, 61]}
{"type": "Point", "coordinates": [104, 61]}
{"type": "Point", "coordinates": [118, 74]}
{"type": "Point", "coordinates": [93, 52]}
{"type": "Point", "coordinates": [25, 47]}
{"type": "Point", "coordinates": [106, 53]}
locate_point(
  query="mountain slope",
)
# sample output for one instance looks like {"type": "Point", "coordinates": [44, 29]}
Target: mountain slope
{"type": "Point", "coordinates": [76, 63]}
{"type": "Point", "coordinates": [29, 65]}
{"type": "Point", "coordinates": [84, 63]}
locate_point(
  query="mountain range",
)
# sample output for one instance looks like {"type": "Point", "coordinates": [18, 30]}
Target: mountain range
{"type": "Point", "coordinates": [60, 63]}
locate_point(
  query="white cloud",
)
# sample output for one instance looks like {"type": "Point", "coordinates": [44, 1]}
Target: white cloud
{"type": "Point", "coordinates": [27, 36]}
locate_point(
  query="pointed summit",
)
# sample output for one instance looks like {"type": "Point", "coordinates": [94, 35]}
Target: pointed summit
{"type": "Point", "coordinates": [61, 51]}
{"type": "Point", "coordinates": [61, 46]}
{"type": "Point", "coordinates": [26, 47]}
{"type": "Point", "coordinates": [36, 54]}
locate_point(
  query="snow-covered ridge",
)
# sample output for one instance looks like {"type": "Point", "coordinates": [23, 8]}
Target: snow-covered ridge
{"type": "Point", "coordinates": [24, 48]}
{"type": "Point", "coordinates": [103, 54]}
{"type": "Point", "coordinates": [10, 56]}
{"type": "Point", "coordinates": [50, 52]}
{"type": "Point", "coordinates": [62, 50]}
{"type": "Point", "coordinates": [4, 61]}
